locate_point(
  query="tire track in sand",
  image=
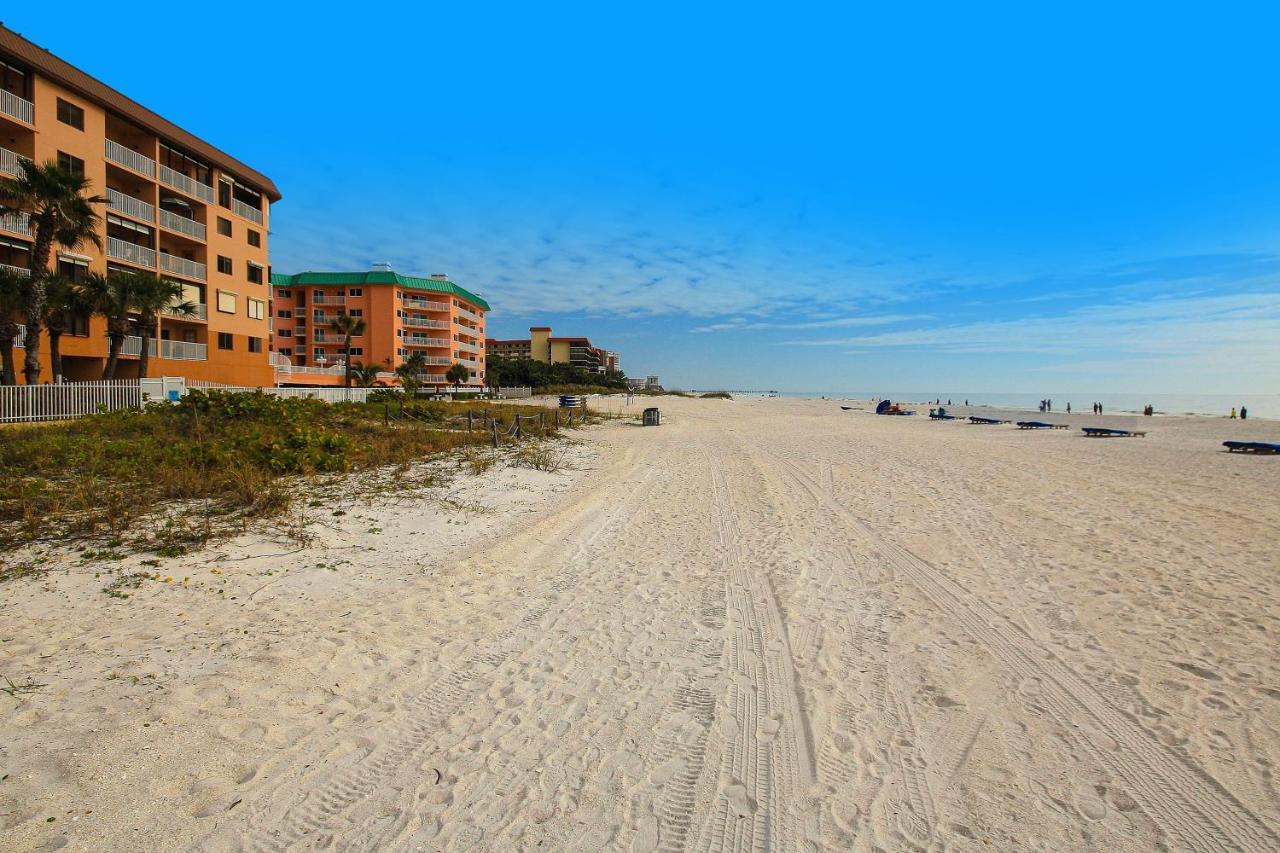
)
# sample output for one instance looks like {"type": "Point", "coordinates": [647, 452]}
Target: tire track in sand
{"type": "Point", "coordinates": [1186, 802]}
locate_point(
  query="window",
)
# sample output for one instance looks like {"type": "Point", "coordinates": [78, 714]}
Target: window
{"type": "Point", "coordinates": [255, 344]}
{"type": "Point", "coordinates": [318, 352]}
{"type": "Point", "coordinates": [402, 352]}
{"type": "Point", "coordinates": [356, 312]}
{"type": "Point", "coordinates": [257, 309]}
{"type": "Point", "coordinates": [255, 273]}
{"type": "Point", "coordinates": [224, 193]}
{"type": "Point", "coordinates": [224, 340]}
{"type": "Point", "coordinates": [72, 268]}
{"type": "Point", "coordinates": [284, 313]}
{"type": "Point", "coordinates": [72, 164]}
{"type": "Point", "coordinates": [286, 351]}
{"type": "Point", "coordinates": [284, 294]}
{"type": "Point", "coordinates": [226, 302]}
{"type": "Point", "coordinates": [224, 227]}
{"type": "Point", "coordinates": [356, 351]}
{"type": "Point", "coordinates": [69, 113]}
{"type": "Point", "coordinates": [255, 239]}
{"type": "Point", "coordinates": [284, 333]}
{"type": "Point", "coordinates": [356, 291]}
{"type": "Point", "coordinates": [224, 265]}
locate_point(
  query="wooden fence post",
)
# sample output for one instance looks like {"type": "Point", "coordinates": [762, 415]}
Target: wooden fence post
{"type": "Point", "coordinates": [386, 414]}
{"type": "Point", "coordinates": [495, 433]}
{"type": "Point", "coordinates": [557, 419]}
{"type": "Point", "coordinates": [468, 420]}
{"type": "Point", "coordinates": [542, 423]}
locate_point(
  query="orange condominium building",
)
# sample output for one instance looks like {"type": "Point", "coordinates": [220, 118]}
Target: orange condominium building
{"type": "Point", "coordinates": [176, 206]}
{"type": "Point", "coordinates": [402, 315]}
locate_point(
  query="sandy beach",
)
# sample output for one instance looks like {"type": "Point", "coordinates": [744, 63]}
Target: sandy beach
{"type": "Point", "coordinates": [768, 624]}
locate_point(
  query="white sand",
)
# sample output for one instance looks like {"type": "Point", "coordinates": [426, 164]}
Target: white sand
{"type": "Point", "coordinates": [765, 625]}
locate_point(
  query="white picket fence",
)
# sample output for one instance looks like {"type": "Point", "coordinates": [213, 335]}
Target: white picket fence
{"type": "Point", "coordinates": [20, 403]}
{"type": "Point", "coordinates": [515, 393]}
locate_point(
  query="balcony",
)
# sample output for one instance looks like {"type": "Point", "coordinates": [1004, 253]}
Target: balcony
{"type": "Point", "coordinates": [425, 324]}
{"type": "Point", "coordinates": [466, 346]}
{"type": "Point", "coordinates": [183, 351]}
{"type": "Point", "coordinates": [247, 211]}
{"type": "Point", "coordinates": [123, 250]}
{"type": "Point", "coordinates": [423, 303]}
{"type": "Point", "coordinates": [183, 267]}
{"type": "Point", "coordinates": [190, 186]}
{"type": "Point", "coordinates": [469, 314]}
{"type": "Point", "coordinates": [201, 312]}
{"type": "Point", "coordinates": [438, 360]}
{"type": "Point", "coordinates": [418, 341]}
{"type": "Point", "coordinates": [21, 339]}
{"type": "Point", "coordinates": [130, 206]}
{"type": "Point", "coordinates": [9, 164]}
{"type": "Point", "coordinates": [328, 299]}
{"type": "Point", "coordinates": [15, 270]}
{"type": "Point", "coordinates": [182, 225]}
{"type": "Point", "coordinates": [130, 159]}
{"type": "Point", "coordinates": [16, 223]}
{"type": "Point", "coordinates": [20, 108]}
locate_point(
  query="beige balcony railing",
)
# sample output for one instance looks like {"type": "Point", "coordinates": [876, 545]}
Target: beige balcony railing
{"type": "Point", "coordinates": [417, 341]}
{"type": "Point", "coordinates": [19, 108]}
{"type": "Point", "coordinates": [130, 159]}
{"type": "Point", "coordinates": [123, 250]}
{"type": "Point", "coordinates": [190, 186]}
{"type": "Point", "coordinates": [16, 223]}
{"type": "Point", "coordinates": [21, 339]}
{"type": "Point", "coordinates": [182, 225]}
{"type": "Point", "coordinates": [130, 206]}
{"type": "Point", "coordinates": [425, 324]}
{"type": "Point", "coordinates": [183, 267]}
{"type": "Point", "coordinates": [184, 351]}
{"type": "Point", "coordinates": [9, 163]}
{"type": "Point", "coordinates": [428, 305]}
{"type": "Point", "coordinates": [247, 211]}
{"type": "Point", "coordinates": [15, 270]}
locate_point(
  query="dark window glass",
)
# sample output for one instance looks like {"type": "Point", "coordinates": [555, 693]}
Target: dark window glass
{"type": "Point", "coordinates": [69, 113]}
{"type": "Point", "coordinates": [224, 227]}
{"type": "Point", "coordinates": [224, 340]}
{"type": "Point", "coordinates": [72, 164]}
{"type": "Point", "coordinates": [255, 344]}
{"type": "Point", "coordinates": [224, 194]}
{"type": "Point", "coordinates": [224, 265]}
{"type": "Point", "coordinates": [255, 274]}
{"type": "Point", "coordinates": [255, 239]}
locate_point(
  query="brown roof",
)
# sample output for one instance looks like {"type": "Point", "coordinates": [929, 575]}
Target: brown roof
{"type": "Point", "coordinates": [45, 63]}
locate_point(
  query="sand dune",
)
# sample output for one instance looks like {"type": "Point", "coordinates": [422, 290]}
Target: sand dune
{"type": "Point", "coordinates": [765, 625]}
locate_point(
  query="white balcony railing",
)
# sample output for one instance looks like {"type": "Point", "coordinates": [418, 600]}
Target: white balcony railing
{"type": "Point", "coordinates": [15, 270]}
{"type": "Point", "coordinates": [184, 351]}
{"type": "Point", "coordinates": [17, 223]}
{"type": "Point", "coordinates": [130, 206]}
{"type": "Point", "coordinates": [9, 163]}
{"type": "Point", "coordinates": [183, 267]}
{"type": "Point", "coordinates": [182, 225]}
{"type": "Point", "coordinates": [421, 323]}
{"type": "Point", "coordinates": [201, 312]}
{"type": "Point", "coordinates": [327, 299]}
{"type": "Point", "coordinates": [21, 339]}
{"type": "Point", "coordinates": [123, 250]}
{"type": "Point", "coordinates": [247, 211]}
{"type": "Point", "coordinates": [468, 313]}
{"type": "Point", "coordinates": [133, 346]}
{"type": "Point", "coordinates": [466, 346]}
{"type": "Point", "coordinates": [131, 159]}
{"type": "Point", "coordinates": [19, 108]}
{"type": "Point", "coordinates": [191, 187]}
{"type": "Point", "coordinates": [416, 341]}
{"type": "Point", "coordinates": [428, 305]}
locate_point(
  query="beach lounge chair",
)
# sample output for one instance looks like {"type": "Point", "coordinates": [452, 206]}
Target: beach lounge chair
{"type": "Point", "coordinates": [1040, 425]}
{"type": "Point", "coordinates": [940, 415]}
{"type": "Point", "coordinates": [1251, 447]}
{"type": "Point", "coordinates": [1105, 432]}
{"type": "Point", "coordinates": [846, 408]}
{"type": "Point", "coordinates": [887, 408]}
{"type": "Point", "coordinates": [974, 419]}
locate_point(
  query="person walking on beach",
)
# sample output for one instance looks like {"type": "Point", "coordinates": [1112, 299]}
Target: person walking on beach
{"type": "Point", "coordinates": [1233, 413]}
{"type": "Point", "coordinates": [1244, 413]}
{"type": "Point", "coordinates": [1068, 408]}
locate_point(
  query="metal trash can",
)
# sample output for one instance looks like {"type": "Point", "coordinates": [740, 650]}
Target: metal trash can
{"type": "Point", "coordinates": [651, 417]}
{"type": "Point", "coordinates": [572, 401]}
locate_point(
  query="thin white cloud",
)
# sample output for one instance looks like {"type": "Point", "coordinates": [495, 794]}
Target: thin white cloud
{"type": "Point", "coordinates": [835, 322]}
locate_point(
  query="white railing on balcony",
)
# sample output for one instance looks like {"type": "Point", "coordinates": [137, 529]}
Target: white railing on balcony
{"type": "Point", "coordinates": [423, 303]}
{"type": "Point", "coordinates": [191, 187]}
{"type": "Point", "coordinates": [182, 224]}
{"type": "Point", "coordinates": [247, 211]}
{"type": "Point", "coordinates": [15, 270]}
{"type": "Point", "coordinates": [9, 163]}
{"type": "Point", "coordinates": [17, 223]}
{"type": "Point", "coordinates": [130, 206]}
{"type": "Point", "coordinates": [184, 351]}
{"type": "Point", "coordinates": [438, 360]}
{"type": "Point", "coordinates": [21, 339]}
{"type": "Point", "coordinates": [426, 324]}
{"type": "Point", "coordinates": [123, 250]}
{"type": "Point", "coordinates": [467, 346]}
{"type": "Point", "coordinates": [417, 341]}
{"type": "Point", "coordinates": [183, 267]}
{"type": "Point", "coordinates": [131, 159]}
{"type": "Point", "coordinates": [328, 299]}
{"type": "Point", "coordinates": [468, 313]}
{"type": "Point", "coordinates": [201, 312]}
{"type": "Point", "coordinates": [19, 108]}
{"type": "Point", "coordinates": [133, 346]}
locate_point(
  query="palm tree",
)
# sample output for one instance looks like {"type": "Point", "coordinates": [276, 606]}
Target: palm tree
{"type": "Point", "coordinates": [347, 326]}
{"type": "Point", "coordinates": [156, 294]}
{"type": "Point", "coordinates": [10, 305]}
{"type": "Point", "coordinates": [114, 296]}
{"type": "Point", "coordinates": [365, 375]}
{"type": "Point", "coordinates": [457, 374]}
{"type": "Point", "coordinates": [408, 372]}
{"type": "Point", "coordinates": [61, 212]}
{"type": "Point", "coordinates": [64, 299]}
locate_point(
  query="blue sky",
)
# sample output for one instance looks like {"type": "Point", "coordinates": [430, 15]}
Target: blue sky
{"type": "Point", "coordinates": [995, 198]}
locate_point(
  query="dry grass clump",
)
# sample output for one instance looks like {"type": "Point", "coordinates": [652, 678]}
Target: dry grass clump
{"type": "Point", "coordinates": [207, 464]}
{"type": "Point", "coordinates": [540, 456]}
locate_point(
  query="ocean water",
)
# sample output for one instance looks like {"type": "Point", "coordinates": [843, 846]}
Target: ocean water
{"type": "Point", "coordinates": [1259, 405]}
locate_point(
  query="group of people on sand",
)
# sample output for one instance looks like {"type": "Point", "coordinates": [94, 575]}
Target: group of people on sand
{"type": "Point", "coordinates": [1244, 413]}
{"type": "Point", "coordinates": [1046, 405]}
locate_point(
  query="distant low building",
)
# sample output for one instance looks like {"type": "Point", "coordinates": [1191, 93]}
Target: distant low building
{"type": "Point", "coordinates": [542, 346]}
{"type": "Point", "coordinates": [649, 383]}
